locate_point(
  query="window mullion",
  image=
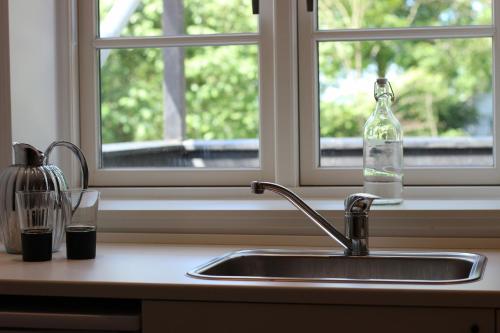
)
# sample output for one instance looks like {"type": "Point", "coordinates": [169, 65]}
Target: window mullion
{"type": "Point", "coordinates": [286, 93]}
{"type": "Point", "coordinates": [266, 94]}
{"type": "Point", "coordinates": [309, 130]}
{"type": "Point", "coordinates": [176, 41]}
{"type": "Point", "coordinates": [404, 33]}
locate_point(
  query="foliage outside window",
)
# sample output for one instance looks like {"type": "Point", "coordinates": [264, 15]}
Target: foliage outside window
{"type": "Point", "coordinates": [443, 85]}
{"type": "Point", "coordinates": [221, 91]}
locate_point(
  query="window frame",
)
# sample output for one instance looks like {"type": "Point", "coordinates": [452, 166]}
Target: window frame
{"type": "Point", "coordinates": [89, 45]}
{"type": "Point", "coordinates": [287, 34]}
{"type": "Point", "coordinates": [309, 38]}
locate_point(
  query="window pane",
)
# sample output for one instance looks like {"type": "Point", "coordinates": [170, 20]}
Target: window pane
{"type": "Point", "coordinates": [353, 14]}
{"type": "Point", "coordinates": [199, 108]}
{"type": "Point", "coordinates": [175, 17]}
{"type": "Point", "coordinates": [443, 99]}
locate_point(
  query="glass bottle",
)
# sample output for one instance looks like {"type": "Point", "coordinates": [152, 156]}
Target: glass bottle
{"type": "Point", "coordinates": [383, 149]}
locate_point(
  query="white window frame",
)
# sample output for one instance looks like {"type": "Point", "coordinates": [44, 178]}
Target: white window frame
{"type": "Point", "coordinates": [310, 171]}
{"type": "Point", "coordinates": [281, 22]}
{"type": "Point", "coordinates": [89, 44]}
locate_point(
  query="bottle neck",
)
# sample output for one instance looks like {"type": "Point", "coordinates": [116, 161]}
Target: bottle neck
{"type": "Point", "coordinates": [383, 91]}
{"type": "Point", "coordinates": [384, 98]}
{"type": "Point", "coordinates": [383, 104]}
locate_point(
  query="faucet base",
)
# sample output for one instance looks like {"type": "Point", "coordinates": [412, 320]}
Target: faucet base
{"type": "Point", "coordinates": [359, 248]}
{"type": "Point", "coordinates": [353, 253]}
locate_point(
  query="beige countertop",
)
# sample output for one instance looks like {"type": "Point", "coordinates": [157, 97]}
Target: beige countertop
{"type": "Point", "coordinates": [145, 271]}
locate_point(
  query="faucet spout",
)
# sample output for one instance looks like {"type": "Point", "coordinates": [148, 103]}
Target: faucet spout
{"type": "Point", "coordinates": [259, 188]}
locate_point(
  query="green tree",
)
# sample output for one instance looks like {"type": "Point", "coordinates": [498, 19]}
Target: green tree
{"type": "Point", "coordinates": [437, 82]}
{"type": "Point", "coordinates": [221, 82]}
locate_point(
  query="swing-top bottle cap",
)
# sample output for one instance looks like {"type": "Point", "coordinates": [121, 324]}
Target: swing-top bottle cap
{"type": "Point", "coordinates": [382, 83]}
{"type": "Point", "coordinates": [381, 80]}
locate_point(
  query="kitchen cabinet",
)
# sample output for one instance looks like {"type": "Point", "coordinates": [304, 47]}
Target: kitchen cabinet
{"type": "Point", "coordinates": [498, 321]}
{"type": "Point", "coordinates": [25, 314]}
{"type": "Point", "coordinates": [181, 316]}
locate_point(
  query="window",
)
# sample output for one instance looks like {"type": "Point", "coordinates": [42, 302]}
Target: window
{"type": "Point", "coordinates": [438, 56]}
{"type": "Point", "coordinates": [205, 93]}
{"type": "Point", "coordinates": [179, 89]}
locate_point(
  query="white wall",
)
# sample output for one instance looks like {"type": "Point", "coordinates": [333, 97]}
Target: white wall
{"type": "Point", "coordinates": [5, 122]}
{"type": "Point", "coordinates": [33, 70]}
{"type": "Point", "coordinates": [44, 83]}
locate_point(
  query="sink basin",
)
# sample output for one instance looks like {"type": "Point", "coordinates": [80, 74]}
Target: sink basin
{"type": "Point", "coordinates": [328, 266]}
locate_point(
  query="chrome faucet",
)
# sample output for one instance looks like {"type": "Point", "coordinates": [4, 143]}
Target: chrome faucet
{"type": "Point", "coordinates": [357, 206]}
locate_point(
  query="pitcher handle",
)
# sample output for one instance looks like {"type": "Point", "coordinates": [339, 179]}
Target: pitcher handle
{"type": "Point", "coordinates": [79, 155]}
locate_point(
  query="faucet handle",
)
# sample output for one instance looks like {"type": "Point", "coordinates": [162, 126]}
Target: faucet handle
{"type": "Point", "coordinates": [357, 206]}
{"type": "Point", "coordinates": [359, 203]}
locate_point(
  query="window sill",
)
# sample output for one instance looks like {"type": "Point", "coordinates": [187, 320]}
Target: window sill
{"type": "Point", "coordinates": [427, 212]}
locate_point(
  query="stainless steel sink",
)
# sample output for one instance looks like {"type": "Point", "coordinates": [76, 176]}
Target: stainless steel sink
{"type": "Point", "coordinates": [328, 266]}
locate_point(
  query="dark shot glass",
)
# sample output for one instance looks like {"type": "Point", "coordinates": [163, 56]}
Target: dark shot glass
{"type": "Point", "coordinates": [80, 217]}
{"type": "Point", "coordinates": [36, 211]}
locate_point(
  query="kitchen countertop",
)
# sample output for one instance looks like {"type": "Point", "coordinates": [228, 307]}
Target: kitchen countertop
{"type": "Point", "coordinates": [158, 272]}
